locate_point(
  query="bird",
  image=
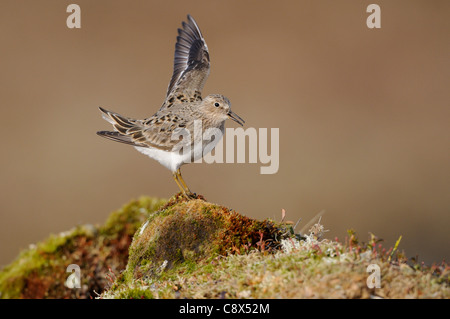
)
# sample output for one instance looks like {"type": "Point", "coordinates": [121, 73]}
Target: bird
{"type": "Point", "coordinates": [170, 136]}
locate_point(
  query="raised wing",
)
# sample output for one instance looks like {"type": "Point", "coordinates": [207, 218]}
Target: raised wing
{"type": "Point", "coordinates": [191, 64]}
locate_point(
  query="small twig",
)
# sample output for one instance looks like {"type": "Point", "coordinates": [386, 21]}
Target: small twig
{"type": "Point", "coordinates": [283, 214]}
{"type": "Point", "coordinates": [305, 228]}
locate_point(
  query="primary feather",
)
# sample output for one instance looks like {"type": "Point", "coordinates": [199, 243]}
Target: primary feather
{"type": "Point", "coordinates": [191, 65]}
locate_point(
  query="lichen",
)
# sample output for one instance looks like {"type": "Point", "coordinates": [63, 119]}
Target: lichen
{"type": "Point", "coordinates": [306, 268]}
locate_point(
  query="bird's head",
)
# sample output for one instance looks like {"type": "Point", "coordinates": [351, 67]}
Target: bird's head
{"type": "Point", "coordinates": [219, 107]}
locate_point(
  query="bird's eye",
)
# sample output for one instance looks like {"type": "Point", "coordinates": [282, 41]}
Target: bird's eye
{"type": "Point", "coordinates": [216, 104]}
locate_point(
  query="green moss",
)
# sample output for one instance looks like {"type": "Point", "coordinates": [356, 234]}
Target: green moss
{"type": "Point", "coordinates": [195, 249]}
{"type": "Point", "coordinates": [10, 283]}
{"type": "Point", "coordinates": [40, 271]}
{"type": "Point", "coordinates": [306, 268]}
{"type": "Point", "coordinates": [135, 292]}
{"type": "Point", "coordinates": [185, 234]}
{"type": "Point", "coordinates": [130, 216]}
{"type": "Point", "coordinates": [39, 261]}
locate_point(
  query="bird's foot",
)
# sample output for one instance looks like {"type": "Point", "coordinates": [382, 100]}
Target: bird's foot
{"type": "Point", "coordinates": [190, 196]}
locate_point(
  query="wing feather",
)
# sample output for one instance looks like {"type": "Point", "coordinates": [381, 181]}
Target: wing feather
{"type": "Point", "coordinates": [191, 63]}
{"type": "Point", "coordinates": [155, 132]}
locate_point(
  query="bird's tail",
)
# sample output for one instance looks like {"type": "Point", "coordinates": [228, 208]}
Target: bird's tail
{"type": "Point", "coordinates": [123, 128]}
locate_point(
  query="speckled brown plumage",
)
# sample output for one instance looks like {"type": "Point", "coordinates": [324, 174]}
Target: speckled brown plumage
{"type": "Point", "coordinates": [181, 112]}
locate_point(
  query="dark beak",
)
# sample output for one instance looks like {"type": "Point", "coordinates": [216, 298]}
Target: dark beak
{"type": "Point", "coordinates": [236, 118]}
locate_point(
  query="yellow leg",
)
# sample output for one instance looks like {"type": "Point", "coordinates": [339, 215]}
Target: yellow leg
{"type": "Point", "coordinates": [182, 185]}
{"type": "Point", "coordinates": [183, 182]}
{"type": "Point", "coordinates": [175, 177]}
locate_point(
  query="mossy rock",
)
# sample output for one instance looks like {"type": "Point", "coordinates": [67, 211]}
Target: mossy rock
{"type": "Point", "coordinates": [303, 267]}
{"type": "Point", "coordinates": [40, 270]}
{"type": "Point", "coordinates": [152, 248]}
{"type": "Point", "coordinates": [187, 233]}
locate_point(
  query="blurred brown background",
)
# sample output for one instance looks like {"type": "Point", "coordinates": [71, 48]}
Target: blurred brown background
{"type": "Point", "coordinates": [363, 114]}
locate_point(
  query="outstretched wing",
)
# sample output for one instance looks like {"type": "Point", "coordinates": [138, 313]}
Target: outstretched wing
{"type": "Point", "coordinates": [191, 64]}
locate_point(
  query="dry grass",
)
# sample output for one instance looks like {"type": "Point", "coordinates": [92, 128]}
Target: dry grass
{"type": "Point", "coordinates": [303, 272]}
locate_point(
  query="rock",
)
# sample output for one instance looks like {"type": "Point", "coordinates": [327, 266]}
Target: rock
{"type": "Point", "coordinates": [189, 232]}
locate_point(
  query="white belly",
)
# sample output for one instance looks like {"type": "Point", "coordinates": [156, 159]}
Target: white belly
{"type": "Point", "coordinates": [173, 160]}
{"type": "Point", "coordinates": [170, 160]}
